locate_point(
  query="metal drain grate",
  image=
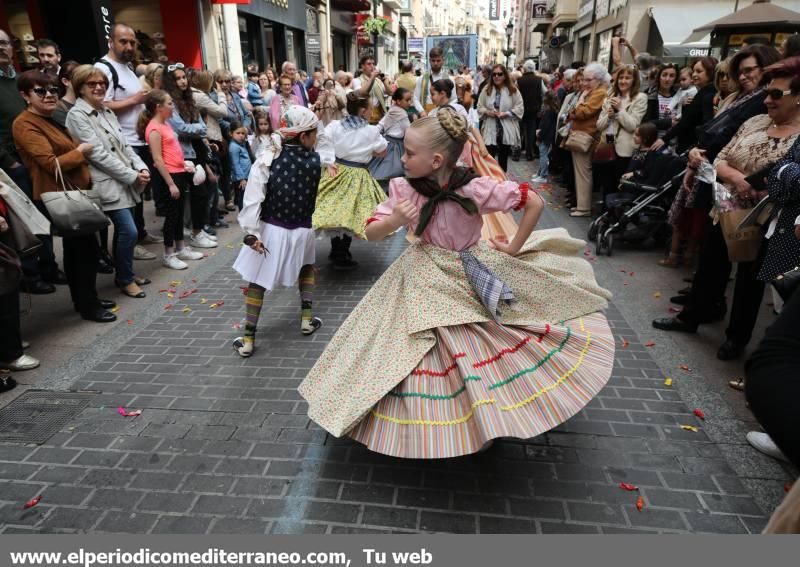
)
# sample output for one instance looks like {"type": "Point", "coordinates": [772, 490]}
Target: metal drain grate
{"type": "Point", "coordinates": [37, 415]}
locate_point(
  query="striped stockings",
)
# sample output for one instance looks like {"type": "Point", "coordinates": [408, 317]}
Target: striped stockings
{"type": "Point", "coordinates": [254, 299]}
{"type": "Point", "coordinates": [307, 282]}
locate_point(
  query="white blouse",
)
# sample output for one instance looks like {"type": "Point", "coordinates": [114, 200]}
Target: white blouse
{"type": "Point", "coordinates": [351, 145]}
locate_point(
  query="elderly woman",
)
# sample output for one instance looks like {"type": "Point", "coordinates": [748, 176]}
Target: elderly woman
{"type": "Point", "coordinates": [501, 107]}
{"type": "Point", "coordinates": [330, 104]}
{"type": "Point", "coordinates": [118, 173]}
{"type": "Point", "coordinates": [760, 142]}
{"type": "Point", "coordinates": [282, 101]}
{"type": "Point", "coordinates": [42, 145]}
{"type": "Point", "coordinates": [583, 118]}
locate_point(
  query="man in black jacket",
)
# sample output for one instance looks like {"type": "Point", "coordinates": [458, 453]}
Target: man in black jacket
{"type": "Point", "coordinates": [531, 87]}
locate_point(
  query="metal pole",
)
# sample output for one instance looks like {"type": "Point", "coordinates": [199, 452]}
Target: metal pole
{"type": "Point", "coordinates": [375, 35]}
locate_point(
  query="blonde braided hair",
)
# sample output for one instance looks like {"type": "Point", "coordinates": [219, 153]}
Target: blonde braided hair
{"type": "Point", "coordinates": [448, 131]}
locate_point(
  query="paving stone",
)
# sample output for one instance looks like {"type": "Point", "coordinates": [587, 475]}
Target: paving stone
{"type": "Point", "coordinates": [447, 523]}
{"type": "Point", "coordinates": [732, 504]}
{"type": "Point", "coordinates": [423, 498]}
{"type": "Point", "coordinates": [181, 525]}
{"type": "Point", "coordinates": [595, 513]}
{"type": "Point", "coordinates": [536, 508]}
{"type": "Point", "coordinates": [166, 502]}
{"type": "Point", "coordinates": [220, 505]}
{"type": "Point", "coordinates": [715, 523]}
{"type": "Point", "coordinates": [367, 493]}
{"type": "Point", "coordinates": [331, 512]}
{"type": "Point", "coordinates": [498, 525]}
{"type": "Point", "coordinates": [564, 528]}
{"type": "Point", "coordinates": [114, 498]}
{"type": "Point", "coordinates": [664, 498]}
{"type": "Point", "coordinates": [51, 455]}
{"type": "Point", "coordinates": [240, 526]}
{"type": "Point", "coordinates": [157, 480]}
{"type": "Point", "coordinates": [689, 481]}
{"type": "Point", "coordinates": [651, 517]}
{"type": "Point", "coordinates": [77, 519]}
{"type": "Point", "coordinates": [127, 522]}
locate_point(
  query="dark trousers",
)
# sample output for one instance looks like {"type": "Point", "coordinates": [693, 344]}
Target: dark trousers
{"type": "Point", "coordinates": [81, 254]}
{"type": "Point", "coordinates": [173, 220]}
{"type": "Point", "coordinates": [500, 153]}
{"type": "Point", "coordinates": [607, 175]}
{"type": "Point", "coordinates": [710, 281]}
{"type": "Point", "coordinates": [772, 386]}
{"type": "Point", "coordinates": [11, 337]}
{"type": "Point", "coordinates": [138, 211]}
{"type": "Point", "coordinates": [198, 204]}
{"type": "Point", "coordinates": [528, 127]}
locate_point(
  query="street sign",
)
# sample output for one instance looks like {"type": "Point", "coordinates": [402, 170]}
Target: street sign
{"type": "Point", "coordinates": [313, 43]}
{"type": "Point", "coordinates": [403, 55]}
{"type": "Point", "coordinates": [494, 9]}
{"type": "Point", "coordinates": [539, 10]}
{"type": "Point", "coordinates": [415, 44]}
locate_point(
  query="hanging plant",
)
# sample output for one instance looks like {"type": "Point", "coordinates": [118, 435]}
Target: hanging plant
{"type": "Point", "coordinates": [376, 25]}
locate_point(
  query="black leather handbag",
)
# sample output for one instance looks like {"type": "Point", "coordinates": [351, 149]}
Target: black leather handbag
{"type": "Point", "coordinates": [787, 283]}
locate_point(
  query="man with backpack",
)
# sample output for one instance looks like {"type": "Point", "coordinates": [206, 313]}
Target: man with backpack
{"type": "Point", "coordinates": [125, 97]}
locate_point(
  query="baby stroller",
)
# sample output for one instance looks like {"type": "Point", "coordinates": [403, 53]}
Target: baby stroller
{"type": "Point", "coordinates": [640, 212]}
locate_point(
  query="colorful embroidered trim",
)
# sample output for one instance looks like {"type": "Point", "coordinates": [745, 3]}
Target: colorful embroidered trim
{"type": "Point", "coordinates": [445, 372]}
{"type": "Point", "coordinates": [583, 327]}
{"type": "Point", "coordinates": [372, 219]}
{"type": "Point", "coordinates": [537, 365]}
{"type": "Point", "coordinates": [558, 382]}
{"type": "Point", "coordinates": [458, 421]}
{"type": "Point", "coordinates": [523, 189]}
{"type": "Point", "coordinates": [502, 353]}
{"type": "Point", "coordinates": [546, 332]}
{"type": "Point", "coordinates": [458, 392]}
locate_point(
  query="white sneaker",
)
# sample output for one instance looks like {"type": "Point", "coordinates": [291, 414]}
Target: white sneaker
{"type": "Point", "coordinates": [172, 261]}
{"type": "Point", "coordinates": [539, 179]}
{"type": "Point", "coordinates": [211, 237]}
{"type": "Point", "coordinates": [24, 362]}
{"type": "Point", "coordinates": [764, 443]}
{"type": "Point", "coordinates": [201, 240]}
{"type": "Point", "coordinates": [188, 254]}
{"type": "Point", "coordinates": [141, 253]}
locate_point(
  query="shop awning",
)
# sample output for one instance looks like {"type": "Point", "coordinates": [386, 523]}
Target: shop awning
{"type": "Point", "coordinates": [673, 23]}
{"type": "Point", "coordinates": [760, 15]}
{"type": "Point", "coordinates": [352, 5]}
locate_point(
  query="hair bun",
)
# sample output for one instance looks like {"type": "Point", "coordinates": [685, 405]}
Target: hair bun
{"type": "Point", "coordinates": [454, 124]}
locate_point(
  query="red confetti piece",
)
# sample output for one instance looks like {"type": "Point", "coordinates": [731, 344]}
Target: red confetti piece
{"type": "Point", "coordinates": [674, 310]}
{"type": "Point", "coordinates": [624, 271]}
{"type": "Point", "coordinates": [625, 343]}
{"type": "Point", "coordinates": [699, 413]}
{"type": "Point", "coordinates": [217, 304]}
{"type": "Point", "coordinates": [130, 321]}
{"type": "Point", "coordinates": [32, 502]}
{"type": "Point", "coordinates": [628, 487]}
{"type": "Point", "coordinates": [650, 344]}
{"type": "Point", "coordinates": [187, 293]}
{"type": "Point", "coordinates": [237, 326]}
{"type": "Point", "coordinates": [194, 280]}
{"type": "Point", "coordinates": [684, 367]}
{"type": "Point", "coordinates": [168, 306]}
{"type": "Point", "coordinates": [639, 503]}
{"type": "Point", "coordinates": [632, 274]}
{"type": "Point", "coordinates": [788, 486]}
{"type": "Point", "coordinates": [125, 413]}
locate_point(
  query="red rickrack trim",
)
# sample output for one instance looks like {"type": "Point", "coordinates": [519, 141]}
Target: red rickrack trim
{"type": "Point", "coordinates": [546, 332]}
{"type": "Point", "coordinates": [502, 353]}
{"type": "Point", "coordinates": [372, 219]}
{"type": "Point", "coordinates": [523, 189]}
{"type": "Point", "coordinates": [445, 372]}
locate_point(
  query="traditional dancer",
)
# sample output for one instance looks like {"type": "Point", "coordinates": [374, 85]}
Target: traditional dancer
{"type": "Point", "coordinates": [461, 342]}
{"type": "Point", "coordinates": [280, 241]}
{"type": "Point", "coordinates": [348, 193]}
{"type": "Point", "coordinates": [393, 126]}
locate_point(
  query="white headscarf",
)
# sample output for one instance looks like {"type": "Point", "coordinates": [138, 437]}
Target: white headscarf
{"type": "Point", "coordinates": [298, 119]}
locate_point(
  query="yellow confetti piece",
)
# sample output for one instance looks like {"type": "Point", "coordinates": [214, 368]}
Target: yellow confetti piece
{"type": "Point", "coordinates": [175, 283]}
{"type": "Point", "coordinates": [115, 309]}
{"type": "Point", "coordinates": [229, 246]}
{"type": "Point", "coordinates": [657, 295]}
{"type": "Point", "coordinates": [668, 382]}
{"type": "Point", "coordinates": [170, 295]}
{"type": "Point", "coordinates": [204, 300]}
{"type": "Point", "coordinates": [213, 306]}
{"type": "Point", "coordinates": [689, 428]}
{"type": "Point", "coordinates": [186, 310]}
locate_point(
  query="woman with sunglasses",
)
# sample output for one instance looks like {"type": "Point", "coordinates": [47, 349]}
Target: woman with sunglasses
{"type": "Point", "coordinates": [42, 143]}
{"type": "Point", "coordinates": [724, 85]}
{"type": "Point", "coordinates": [501, 107]}
{"type": "Point", "coordinates": [118, 173]}
{"type": "Point", "coordinates": [192, 134]}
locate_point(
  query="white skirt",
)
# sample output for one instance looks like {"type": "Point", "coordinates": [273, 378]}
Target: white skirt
{"type": "Point", "coordinates": [289, 250]}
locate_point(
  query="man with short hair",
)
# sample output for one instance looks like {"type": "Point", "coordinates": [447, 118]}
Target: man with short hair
{"type": "Point", "coordinates": [49, 56]}
{"type": "Point", "coordinates": [422, 92]}
{"type": "Point", "coordinates": [298, 88]}
{"type": "Point", "coordinates": [372, 86]}
{"type": "Point", "coordinates": [407, 79]}
{"type": "Point", "coordinates": [532, 89]}
{"type": "Point", "coordinates": [125, 97]}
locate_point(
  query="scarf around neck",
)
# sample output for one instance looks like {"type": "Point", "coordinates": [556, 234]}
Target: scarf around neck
{"type": "Point", "coordinates": [354, 122]}
{"type": "Point", "coordinates": [426, 187]}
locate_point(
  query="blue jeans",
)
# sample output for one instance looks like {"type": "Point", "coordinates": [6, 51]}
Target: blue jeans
{"type": "Point", "coordinates": [544, 159]}
{"type": "Point", "coordinates": [125, 239]}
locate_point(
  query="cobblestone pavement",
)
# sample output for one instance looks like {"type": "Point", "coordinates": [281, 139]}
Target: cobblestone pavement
{"type": "Point", "coordinates": [223, 445]}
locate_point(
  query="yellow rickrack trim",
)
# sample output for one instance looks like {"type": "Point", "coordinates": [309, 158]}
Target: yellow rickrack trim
{"type": "Point", "coordinates": [458, 421]}
{"type": "Point", "coordinates": [558, 382]}
{"type": "Point", "coordinates": [583, 327]}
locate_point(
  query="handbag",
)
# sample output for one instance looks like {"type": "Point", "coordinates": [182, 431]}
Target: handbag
{"type": "Point", "coordinates": [19, 237]}
{"type": "Point", "coordinates": [10, 270]}
{"type": "Point", "coordinates": [605, 152]}
{"type": "Point", "coordinates": [579, 142]}
{"type": "Point", "coordinates": [73, 213]}
{"type": "Point", "coordinates": [743, 244]}
{"type": "Point", "coordinates": [787, 283]}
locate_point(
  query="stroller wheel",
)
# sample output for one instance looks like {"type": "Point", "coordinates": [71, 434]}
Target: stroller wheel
{"type": "Point", "coordinates": [593, 229]}
{"type": "Point", "coordinates": [609, 244]}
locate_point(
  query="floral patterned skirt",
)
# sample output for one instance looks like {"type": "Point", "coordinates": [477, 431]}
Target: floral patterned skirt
{"type": "Point", "coordinates": [346, 201]}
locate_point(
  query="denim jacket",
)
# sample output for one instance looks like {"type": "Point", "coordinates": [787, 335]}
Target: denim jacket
{"type": "Point", "coordinates": [236, 111]}
{"type": "Point", "coordinates": [254, 94]}
{"type": "Point", "coordinates": [187, 131]}
{"type": "Point", "coordinates": [240, 161]}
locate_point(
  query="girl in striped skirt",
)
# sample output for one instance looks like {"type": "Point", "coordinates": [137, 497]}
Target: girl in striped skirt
{"type": "Point", "coordinates": [462, 341]}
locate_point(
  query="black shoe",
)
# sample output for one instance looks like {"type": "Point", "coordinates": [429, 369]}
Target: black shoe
{"type": "Point", "coordinates": [99, 315]}
{"type": "Point", "coordinates": [221, 224]}
{"type": "Point", "coordinates": [58, 278]}
{"type": "Point", "coordinates": [103, 267]}
{"type": "Point", "coordinates": [679, 299]}
{"type": "Point", "coordinates": [101, 304]}
{"type": "Point", "coordinates": [208, 229]}
{"type": "Point", "coordinates": [36, 287]}
{"type": "Point", "coordinates": [685, 291]}
{"type": "Point", "coordinates": [674, 324]}
{"type": "Point", "coordinates": [730, 350]}
{"type": "Point", "coordinates": [343, 264]}
{"type": "Point", "coordinates": [717, 313]}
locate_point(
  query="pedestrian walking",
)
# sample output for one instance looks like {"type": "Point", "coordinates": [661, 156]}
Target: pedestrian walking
{"type": "Point", "coordinates": [413, 372]}
{"type": "Point", "coordinates": [280, 243]}
{"type": "Point", "coordinates": [532, 89]}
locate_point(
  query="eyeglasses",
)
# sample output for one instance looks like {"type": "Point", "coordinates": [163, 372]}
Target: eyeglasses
{"type": "Point", "coordinates": [223, 81]}
{"type": "Point", "coordinates": [747, 70]}
{"type": "Point", "coordinates": [42, 92]}
{"type": "Point", "coordinates": [171, 68]}
{"type": "Point", "coordinates": [94, 84]}
{"type": "Point", "coordinates": [721, 74]}
{"type": "Point", "coordinates": [777, 94]}
{"type": "Point", "coordinates": [498, 74]}
{"type": "Point", "coordinates": [4, 43]}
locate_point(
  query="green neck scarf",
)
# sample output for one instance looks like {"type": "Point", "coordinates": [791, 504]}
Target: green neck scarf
{"type": "Point", "coordinates": [430, 189]}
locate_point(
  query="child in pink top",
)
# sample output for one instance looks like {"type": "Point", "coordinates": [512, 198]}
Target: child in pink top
{"type": "Point", "coordinates": [154, 128]}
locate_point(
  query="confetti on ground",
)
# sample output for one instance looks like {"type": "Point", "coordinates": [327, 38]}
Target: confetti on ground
{"type": "Point", "coordinates": [628, 487]}
{"type": "Point", "coordinates": [130, 321]}
{"type": "Point", "coordinates": [639, 503]}
{"type": "Point", "coordinates": [236, 326]}
{"type": "Point", "coordinates": [689, 428]}
{"type": "Point", "coordinates": [170, 295]}
{"type": "Point", "coordinates": [624, 271]}
{"type": "Point", "coordinates": [194, 280]}
{"type": "Point", "coordinates": [168, 306]}
{"type": "Point", "coordinates": [32, 502]}
{"type": "Point", "coordinates": [674, 310]}
{"type": "Point", "coordinates": [657, 295]}
{"type": "Point", "coordinates": [650, 344]}
{"type": "Point", "coordinates": [217, 304]}
{"type": "Point", "coordinates": [175, 283]}
{"type": "Point", "coordinates": [229, 246]}
{"type": "Point", "coordinates": [186, 310]}
{"type": "Point", "coordinates": [684, 367]}
{"type": "Point", "coordinates": [632, 274]}
{"type": "Point", "coordinates": [626, 283]}
{"type": "Point", "coordinates": [699, 413]}
{"type": "Point", "coordinates": [668, 381]}
{"type": "Point", "coordinates": [204, 300]}
{"type": "Point", "coordinates": [187, 293]}
{"type": "Point", "coordinates": [125, 413]}
{"type": "Point", "coordinates": [115, 309]}
{"type": "Point", "coordinates": [625, 343]}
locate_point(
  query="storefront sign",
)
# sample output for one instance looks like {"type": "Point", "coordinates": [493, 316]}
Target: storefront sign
{"type": "Point", "coordinates": [104, 19]}
{"type": "Point", "coordinates": [539, 10]}
{"type": "Point", "coordinates": [494, 9]}
{"type": "Point", "coordinates": [601, 9]}
{"type": "Point", "coordinates": [313, 43]}
{"type": "Point", "coordinates": [585, 13]}
{"type": "Point", "coordinates": [415, 44]}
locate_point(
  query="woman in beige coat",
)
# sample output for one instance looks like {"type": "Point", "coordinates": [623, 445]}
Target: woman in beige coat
{"type": "Point", "coordinates": [501, 107]}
